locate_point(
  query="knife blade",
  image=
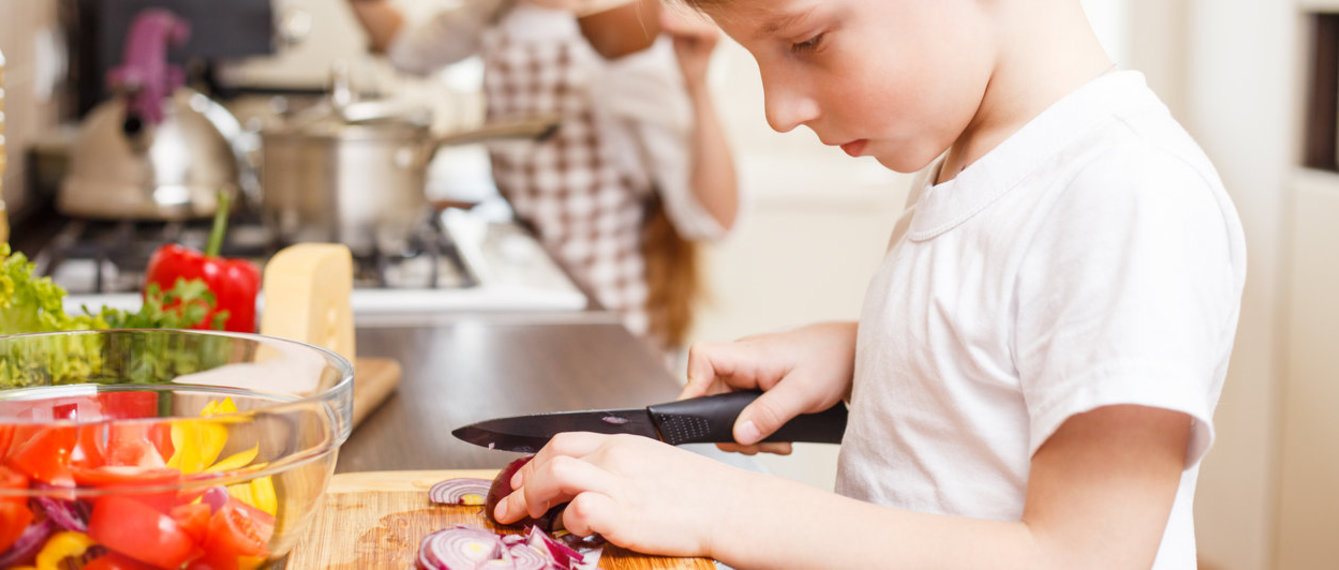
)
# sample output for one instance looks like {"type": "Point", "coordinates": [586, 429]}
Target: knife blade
{"type": "Point", "coordinates": [709, 419]}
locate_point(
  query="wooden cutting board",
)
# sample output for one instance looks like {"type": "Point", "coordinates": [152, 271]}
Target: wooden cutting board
{"type": "Point", "coordinates": [373, 381]}
{"type": "Point", "coordinates": [376, 519]}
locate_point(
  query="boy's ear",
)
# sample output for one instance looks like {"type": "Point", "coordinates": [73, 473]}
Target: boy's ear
{"type": "Point", "coordinates": [622, 30]}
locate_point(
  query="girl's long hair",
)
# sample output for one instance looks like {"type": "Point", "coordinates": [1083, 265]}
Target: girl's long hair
{"type": "Point", "coordinates": [673, 279]}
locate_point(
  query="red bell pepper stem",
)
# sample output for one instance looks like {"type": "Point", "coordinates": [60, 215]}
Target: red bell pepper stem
{"type": "Point", "coordinates": [220, 227]}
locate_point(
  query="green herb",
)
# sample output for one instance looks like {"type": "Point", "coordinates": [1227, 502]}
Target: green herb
{"type": "Point", "coordinates": [32, 304]}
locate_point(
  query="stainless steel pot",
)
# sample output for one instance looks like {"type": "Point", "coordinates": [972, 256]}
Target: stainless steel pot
{"type": "Point", "coordinates": [169, 171]}
{"type": "Point", "coordinates": [342, 173]}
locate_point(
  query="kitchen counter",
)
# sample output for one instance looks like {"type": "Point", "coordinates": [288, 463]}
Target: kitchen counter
{"type": "Point", "coordinates": [467, 369]}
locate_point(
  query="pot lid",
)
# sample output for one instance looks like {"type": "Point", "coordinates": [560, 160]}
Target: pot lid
{"type": "Point", "coordinates": [374, 119]}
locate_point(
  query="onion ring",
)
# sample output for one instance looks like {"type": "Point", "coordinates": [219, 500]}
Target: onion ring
{"type": "Point", "coordinates": [460, 491]}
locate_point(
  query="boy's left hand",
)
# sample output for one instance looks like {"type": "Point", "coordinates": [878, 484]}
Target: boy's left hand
{"type": "Point", "coordinates": [636, 492]}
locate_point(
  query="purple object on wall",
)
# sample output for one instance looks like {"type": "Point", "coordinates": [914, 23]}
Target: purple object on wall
{"type": "Point", "coordinates": [145, 74]}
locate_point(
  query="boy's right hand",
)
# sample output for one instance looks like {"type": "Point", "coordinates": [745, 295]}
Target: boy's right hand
{"type": "Point", "coordinates": [801, 371]}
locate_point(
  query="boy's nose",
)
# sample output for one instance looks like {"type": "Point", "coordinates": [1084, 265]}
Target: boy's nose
{"type": "Point", "coordinates": [788, 103]}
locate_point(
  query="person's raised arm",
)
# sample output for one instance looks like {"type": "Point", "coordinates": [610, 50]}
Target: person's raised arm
{"type": "Point", "coordinates": [380, 20]}
{"type": "Point", "coordinates": [713, 178]}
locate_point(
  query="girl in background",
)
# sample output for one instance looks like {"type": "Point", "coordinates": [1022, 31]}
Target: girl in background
{"type": "Point", "coordinates": [639, 170]}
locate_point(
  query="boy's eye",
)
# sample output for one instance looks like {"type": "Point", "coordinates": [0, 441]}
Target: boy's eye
{"type": "Point", "coordinates": [808, 45]}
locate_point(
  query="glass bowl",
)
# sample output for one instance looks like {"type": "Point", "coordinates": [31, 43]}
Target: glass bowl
{"type": "Point", "coordinates": [176, 449]}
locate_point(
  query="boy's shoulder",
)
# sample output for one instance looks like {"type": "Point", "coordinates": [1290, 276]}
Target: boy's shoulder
{"type": "Point", "coordinates": [1139, 149]}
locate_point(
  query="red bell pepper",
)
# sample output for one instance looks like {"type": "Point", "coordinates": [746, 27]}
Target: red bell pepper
{"type": "Point", "coordinates": [235, 283]}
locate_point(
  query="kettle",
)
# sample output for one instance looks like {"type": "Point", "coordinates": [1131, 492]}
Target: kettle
{"type": "Point", "coordinates": [158, 150]}
{"type": "Point", "coordinates": [170, 171]}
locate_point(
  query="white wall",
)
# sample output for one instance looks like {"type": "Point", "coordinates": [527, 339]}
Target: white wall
{"type": "Point", "coordinates": [1240, 104]}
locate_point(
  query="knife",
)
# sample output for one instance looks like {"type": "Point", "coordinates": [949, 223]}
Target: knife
{"type": "Point", "coordinates": [709, 419]}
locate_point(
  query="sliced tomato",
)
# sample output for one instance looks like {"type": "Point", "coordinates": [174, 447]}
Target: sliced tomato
{"type": "Point", "coordinates": [239, 529]}
{"type": "Point", "coordinates": [142, 444]}
{"type": "Point", "coordinates": [124, 476]}
{"type": "Point", "coordinates": [215, 561]}
{"type": "Point", "coordinates": [14, 518]}
{"type": "Point", "coordinates": [194, 519]}
{"type": "Point", "coordinates": [89, 445]}
{"type": "Point", "coordinates": [11, 480]}
{"type": "Point", "coordinates": [119, 476]}
{"type": "Point", "coordinates": [6, 435]}
{"type": "Point", "coordinates": [135, 453]}
{"type": "Point", "coordinates": [114, 561]}
{"type": "Point", "coordinates": [45, 454]}
{"type": "Point", "coordinates": [137, 530]}
{"type": "Point", "coordinates": [128, 404]}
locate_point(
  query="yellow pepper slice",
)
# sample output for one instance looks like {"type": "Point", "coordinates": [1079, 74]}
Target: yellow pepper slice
{"type": "Point", "coordinates": [62, 545]}
{"type": "Point", "coordinates": [258, 492]}
{"type": "Point", "coordinates": [235, 461]}
{"type": "Point", "coordinates": [197, 443]}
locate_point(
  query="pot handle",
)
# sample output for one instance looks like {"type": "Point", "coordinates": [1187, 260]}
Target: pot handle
{"type": "Point", "coordinates": [537, 128]}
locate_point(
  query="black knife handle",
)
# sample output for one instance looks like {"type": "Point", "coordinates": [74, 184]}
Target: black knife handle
{"type": "Point", "coordinates": [711, 419]}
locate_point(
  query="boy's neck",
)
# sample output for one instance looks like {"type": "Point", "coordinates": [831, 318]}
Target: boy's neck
{"type": "Point", "coordinates": [1047, 50]}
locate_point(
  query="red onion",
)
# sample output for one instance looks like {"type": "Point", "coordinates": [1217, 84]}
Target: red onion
{"type": "Point", "coordinates": [465, 547]}
{"type": "Point", "coordinates": [459, 547]}
{"type": "Point", "coordinates": [460, 491]}
{"type": "Point", "coordinates": [216, 497]}
{"type": "Point", "coordinates": [502, 487]}
{"type": "Point", "coordinates": [68, 515]}
{"type": "Point", "coordinates": [28, 543]}
{"type": "Point", "coordinates": [561, 554]}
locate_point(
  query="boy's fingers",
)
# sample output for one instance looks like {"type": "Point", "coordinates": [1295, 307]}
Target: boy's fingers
{"type": "Point", "coordinates": [702, 371]}
{"type": "Point", "coordinates": [575, 444]}
{"type": "Point", "coordinates": [590, 513]}
{"type": "Point", "coordinates": [720, 367]}
{"type": "Point", "coordinates": [552, 483]}
{"type": "Point", "coordinates": [769, 412]}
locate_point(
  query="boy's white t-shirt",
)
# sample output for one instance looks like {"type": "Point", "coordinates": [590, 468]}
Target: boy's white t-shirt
{"type": "Point", "coordinates": [1093, 258]}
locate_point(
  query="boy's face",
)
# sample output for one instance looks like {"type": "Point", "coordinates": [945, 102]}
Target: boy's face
{"type": "Point", "coordinates": [898, 80]}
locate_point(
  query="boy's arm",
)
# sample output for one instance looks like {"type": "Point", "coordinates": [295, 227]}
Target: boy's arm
{"type": "Point", "coordinates": [1100, 492]}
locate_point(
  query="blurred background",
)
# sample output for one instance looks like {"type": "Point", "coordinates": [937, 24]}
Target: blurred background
{"type": "Point", "coordinates": [1254, 81]}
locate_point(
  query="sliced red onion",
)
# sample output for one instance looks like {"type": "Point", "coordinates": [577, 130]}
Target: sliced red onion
{"type": "Point", "coordinates": [28, 543]}
{"type": "Point", "coordinates": [68, 515]}
{"type": "Point", "coordinates": [562, 555]}
{"type": "Point", "coordinates": [460, 491]}
{"type": "Point", "coordinates": [474, 548]}
{"type": "Point", "coordinates": [459, 547]}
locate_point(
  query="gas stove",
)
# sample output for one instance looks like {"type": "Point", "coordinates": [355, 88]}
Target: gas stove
{"type": "Point", "coordinates": [452, 263]}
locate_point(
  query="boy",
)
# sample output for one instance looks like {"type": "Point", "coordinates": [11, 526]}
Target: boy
{"type": "Point", "coordinates": [1033, 377]}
